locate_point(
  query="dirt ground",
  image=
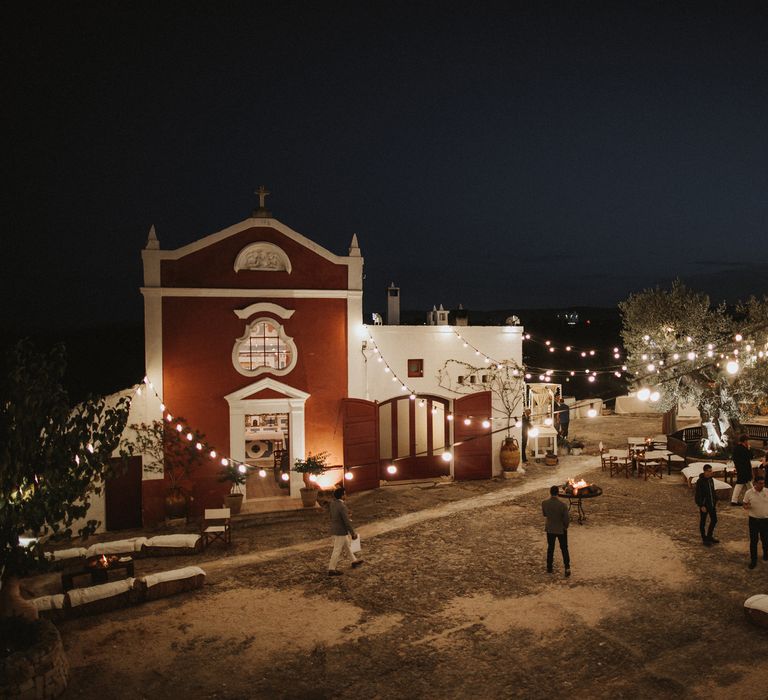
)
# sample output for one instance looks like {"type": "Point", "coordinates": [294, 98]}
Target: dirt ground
{"type": "Point", "coordinates": [453, 601]}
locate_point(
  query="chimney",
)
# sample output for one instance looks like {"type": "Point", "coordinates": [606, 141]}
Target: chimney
{"type": "Point", "coordinates": [393, 305]}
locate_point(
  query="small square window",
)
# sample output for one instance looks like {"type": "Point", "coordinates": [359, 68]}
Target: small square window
{"type": "Point", "coordinates": [415, 368]}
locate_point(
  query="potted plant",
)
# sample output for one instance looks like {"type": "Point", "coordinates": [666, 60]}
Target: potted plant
{"type": "Point", "coordinates": [236, 475]}
{"type": "Point", "coordinates": [576, 446]}
{"type": "Point", "coordinates": [550, 459]}
{"type": "Point", "coordinates": [310, 468]}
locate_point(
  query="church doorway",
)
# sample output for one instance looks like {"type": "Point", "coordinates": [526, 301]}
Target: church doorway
{"type": "Point", "coordinates": [267, 452]}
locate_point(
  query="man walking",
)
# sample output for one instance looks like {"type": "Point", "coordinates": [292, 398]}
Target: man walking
{"type": "Point", "coordinates": [556, 513]}
{"type": "Point", "coordinates": [341, 529]}
{"type": "Point", "coordinates": [742, 460]}
{"type": "Point", "coordinates": [707, 503]}
{"type": "Point", "coordinates": [756, 504]}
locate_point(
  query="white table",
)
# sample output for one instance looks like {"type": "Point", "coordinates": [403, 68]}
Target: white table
{"type": "Point", "coordinates": [546, 433]}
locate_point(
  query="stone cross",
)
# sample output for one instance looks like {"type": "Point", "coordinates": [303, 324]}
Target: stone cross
{"type": "Point", "coordinates": [262, 192]}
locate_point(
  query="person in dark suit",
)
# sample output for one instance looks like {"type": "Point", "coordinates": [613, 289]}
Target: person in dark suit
{"type": "Point", "coordinates": [526, 420]}
{"type": "Point", "coordinates": [556, 513]}
{"type": "Point", "coordinates": [707, 503]}
{"type": "Point", "coordinates": [742, 460]}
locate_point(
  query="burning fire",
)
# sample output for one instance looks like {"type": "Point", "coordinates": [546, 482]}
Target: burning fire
{"type": "Point", "coordinates": [103, 560]}
{"type": "Point", "coordinates": [576, 485]}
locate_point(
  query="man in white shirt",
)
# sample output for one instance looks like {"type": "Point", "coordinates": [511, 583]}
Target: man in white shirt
{"type": "Point", "coordinates": [756, 504]}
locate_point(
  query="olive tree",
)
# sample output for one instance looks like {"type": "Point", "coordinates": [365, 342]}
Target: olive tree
{"type": "Point", "coordinates": [53, 456]}
{"type": "Point", "coordinates": [680, 346]}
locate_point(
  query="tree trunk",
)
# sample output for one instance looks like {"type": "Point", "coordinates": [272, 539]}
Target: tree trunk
{"type": "Point", "coordinates": [12, 604]}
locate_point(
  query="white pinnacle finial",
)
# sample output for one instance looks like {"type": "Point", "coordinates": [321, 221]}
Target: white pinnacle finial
{"type": "Point", "coordinates": [152, 242]}
{"type": "Point", "coordinates": [354, 248]}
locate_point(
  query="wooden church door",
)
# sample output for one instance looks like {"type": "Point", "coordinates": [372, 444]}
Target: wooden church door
{"type": "Point", "coordinates": [361, 444]}
{"type": "Point", "coordinates": [472, 457]}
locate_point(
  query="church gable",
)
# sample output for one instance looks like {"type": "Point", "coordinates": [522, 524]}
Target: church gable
{"type": "Point", "coordinates": [253, 256]}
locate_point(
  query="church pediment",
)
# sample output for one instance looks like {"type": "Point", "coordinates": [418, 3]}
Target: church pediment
{"type": "Point", "coordinates": [266, 388]}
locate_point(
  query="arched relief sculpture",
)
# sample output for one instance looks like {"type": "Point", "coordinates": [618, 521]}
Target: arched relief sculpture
{"type": "Point", "coordinates": [263, 257]}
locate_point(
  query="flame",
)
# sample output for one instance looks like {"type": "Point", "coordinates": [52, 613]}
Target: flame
{"type": "Point", "coordinates": [103, 561]}
{"type": "Point", "coordinates": [576, 485]}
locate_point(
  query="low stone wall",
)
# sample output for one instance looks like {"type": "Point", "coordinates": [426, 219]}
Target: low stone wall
{"type": "Point", "coordinates": [42, 671]}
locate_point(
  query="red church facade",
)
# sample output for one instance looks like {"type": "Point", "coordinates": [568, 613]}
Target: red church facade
{"type": "Point", "coordinates": [247, 337]}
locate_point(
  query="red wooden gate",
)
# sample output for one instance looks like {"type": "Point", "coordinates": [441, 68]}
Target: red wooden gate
{"type": "Point", "coordinates": [472, 452]}
{"type": "Point", "coordinates": [122, 497]}
{"type": "Point", "coordinates": [361, 444]}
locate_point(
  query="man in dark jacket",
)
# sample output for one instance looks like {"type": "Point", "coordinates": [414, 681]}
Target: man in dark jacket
{"type": "Point", "coordinates": [563, 417]}
{"type": "Point", "coordinates": [556, 513]}
{"type": "Point", "coordinates": [526, 421]}
{"type": "Point", "coordinates": [341, 529]}
{"type": "Point", "coordinates": [742, 460]}
{"type": "Point", "coordinates": [707, 503]}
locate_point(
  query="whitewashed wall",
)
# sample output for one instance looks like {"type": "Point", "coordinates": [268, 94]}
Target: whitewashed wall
{"type": "Point", "coordinates": [435, 345]}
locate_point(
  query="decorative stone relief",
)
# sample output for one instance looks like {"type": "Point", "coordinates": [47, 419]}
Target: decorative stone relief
{"type": "Point", "coordinates": [264, 257]}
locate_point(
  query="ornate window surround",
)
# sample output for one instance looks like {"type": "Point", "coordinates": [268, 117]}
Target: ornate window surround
{"type": "Point", "coordinates": [265, 257]}
{"type": "Point", "coordinates": [287, 340]}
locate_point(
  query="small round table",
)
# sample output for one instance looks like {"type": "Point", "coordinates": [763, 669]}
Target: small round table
{"type": "Point", "coordinates": [577, 498]}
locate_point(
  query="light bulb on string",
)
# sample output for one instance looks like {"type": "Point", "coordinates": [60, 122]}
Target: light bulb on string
{"type": "Point", "coordinates": [654, 396]}
{"type": "Point", "coordinates": [391, 469]}
{"type": "Point", "coordinates": [732, 367]}
{"type": "Point", "coordinates": [348, 476]}
{"type": "Point", "coordinates": [592, 411]}
{"type": "Point", "coordinates": [486, 423]}
{"type": "Point", "coordinates": [548, 421]}
{"type": "Point", "coordinates": [242, 468]}
{"type": "Point", "coordinates": [262, 473]}
{"type": "Point", "coordinates": [446, 456]}
{"type": "Point", "coordinates": [284, 476]}
{"type": "Point", "coordinates": [643, 394]}
{"type": "Point", "coordinates": [467, 421]}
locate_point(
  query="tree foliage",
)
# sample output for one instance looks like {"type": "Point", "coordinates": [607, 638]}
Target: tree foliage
{"type": "Point", "coordinates": [53, 457]}
{"type": "Point", "coordinates": [504, 380]}
{"type": "Point", "coordinates": [679, 344]}
{"type": "Point", "coordinates": [169, 451]}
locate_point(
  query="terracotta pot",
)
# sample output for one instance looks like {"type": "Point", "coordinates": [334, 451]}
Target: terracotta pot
{"type": "Point", "coordinates": [175, 504]}
{"type": "Point", "coordinates": [12, 603]}
{"type": "Point", "coordinates": [233, 501]}
{"type": "Point", "coordinates": [550, 460]}
{"type": "Point", "coordinates": [509, 455]}
{"type": "Point", "coordinates": [308, 497]}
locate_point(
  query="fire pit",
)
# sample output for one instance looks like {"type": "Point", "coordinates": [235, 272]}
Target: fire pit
{"type": "Point", "coordinates": [576, 490]}
{"type": "Point", "coordinates": [98, 568]}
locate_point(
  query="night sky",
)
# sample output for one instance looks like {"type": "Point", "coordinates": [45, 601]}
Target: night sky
{"type": "Point", "coordinates": [498, 155]}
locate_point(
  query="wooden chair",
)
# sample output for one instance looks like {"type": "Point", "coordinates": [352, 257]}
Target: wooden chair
{"type": "Point", "coordinates": [621, 462]}
{"type": "Point", "coordinates": [650, 466]}
{"type": "Point", "coordinates": [605, 460]}
{"type": "Point", "coordinates": [216, 526]}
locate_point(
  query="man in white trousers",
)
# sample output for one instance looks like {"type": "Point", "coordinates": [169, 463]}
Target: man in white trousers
{"type": "Point", "coordinates": [341, 530]}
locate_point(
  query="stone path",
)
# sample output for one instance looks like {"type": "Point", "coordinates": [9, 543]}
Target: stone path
{"type": "Point", "coordinates": [569, 467]}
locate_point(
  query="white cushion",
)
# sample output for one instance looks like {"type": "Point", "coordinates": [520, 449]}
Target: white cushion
{"type": "Point", "coordinates": [80, 596]}
{"type": "Point", "coordinates": [757, 602]}
{"type": "Point", "coordinates": [72, 553]}
{"type": "Point", "coordinates": [173, 541]}
{"type": "Point", "coordinates": [215, 528]}
{"type": "Point", "coordinates": [174, 575]}
{"type": "Point", "coordinates": [116, 547]}
{"type": "Point", "coordinates": [49, 602]}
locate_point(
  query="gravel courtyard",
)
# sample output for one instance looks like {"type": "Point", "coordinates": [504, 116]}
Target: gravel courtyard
{"type": "Point", "coordinates": [453, 602]}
